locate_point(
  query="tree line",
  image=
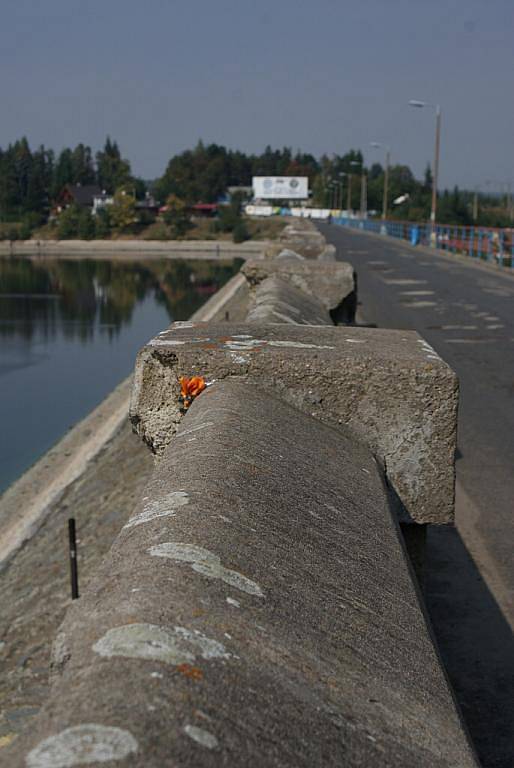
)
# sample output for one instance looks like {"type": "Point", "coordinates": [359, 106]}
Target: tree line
{"type": "Point", "coordinates": [32, 180]}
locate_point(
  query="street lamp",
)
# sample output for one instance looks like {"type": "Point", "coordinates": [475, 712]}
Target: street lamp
{"type": "Point", "coordinates": [349, 198]}
{"type": "Point", "coordinates": [340, 184]}
{"type": "Point", "coordinates": [333, 186]}
{"type": "Point", "coordinates": [364, 193]}
{"type": "Point", "coordinates": [378, 145]}
{"type": "Point", "coordinates": [421, 104]}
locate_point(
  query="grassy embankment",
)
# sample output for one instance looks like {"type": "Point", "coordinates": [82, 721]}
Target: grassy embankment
{"type": "Point", "coordinates": [202, 229]}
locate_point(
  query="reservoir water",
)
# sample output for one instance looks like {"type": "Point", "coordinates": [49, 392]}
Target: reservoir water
{"type": "Point", "coordinates": [69, 333]}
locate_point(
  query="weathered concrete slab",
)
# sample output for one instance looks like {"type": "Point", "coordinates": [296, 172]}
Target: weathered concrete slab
{"type": "Point", "coordinates": [328, 253]}
{"type": "Point", "coordinates": [257, 609]}
{"type": "Point", "coordinates": [333, 283]}
{"type": "Point", "coordinates": [276, 300]}
{"type": "Point", "coordinates": [287, 253]}
{"type": "Point", "coordinates": [303, 237]}
{"type": "Point", "coordinates": [389, 387]}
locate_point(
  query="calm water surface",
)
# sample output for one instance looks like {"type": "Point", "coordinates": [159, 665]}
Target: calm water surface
{"type": "Point", "coordinates": [69, 333]}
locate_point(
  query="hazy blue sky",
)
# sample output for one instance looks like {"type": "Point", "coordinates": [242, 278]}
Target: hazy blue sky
{"type": "Point", "coordinates": [323, 76]}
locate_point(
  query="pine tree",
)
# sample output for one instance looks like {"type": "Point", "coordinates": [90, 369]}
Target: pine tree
{"type": "Point", "coordinates": [112, 171]}
{"type": "Point", "coordinates": [83, 171]}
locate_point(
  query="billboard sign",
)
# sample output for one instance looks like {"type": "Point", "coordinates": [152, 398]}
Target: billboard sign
{"type": "Point", "coordinates": [280, 187]}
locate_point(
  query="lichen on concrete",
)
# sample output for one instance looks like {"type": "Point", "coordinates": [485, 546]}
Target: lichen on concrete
{"type": "Point", "coordinates": [148, 641]}
{"type": "Point", "coordinates": [163, 507]}
{"type": "Point", "coordinates": [82, 745]}
{"type": "Point", "coordinates": [201, 736]}
{"type": "Point", "coordinates": [207, 563]}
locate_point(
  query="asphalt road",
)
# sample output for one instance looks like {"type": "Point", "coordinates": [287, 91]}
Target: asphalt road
{"type": "Point", "coordinates": [466, 312]}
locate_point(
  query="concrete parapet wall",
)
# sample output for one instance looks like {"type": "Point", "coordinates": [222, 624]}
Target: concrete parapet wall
{"type": "Point", "coordinates": [276, 300]}
{"type": "Point", "coordinates": [389, 387]}
{"type": "Point", "coordinates": [257, 609]}
{"type": "Point", "coordinates": [303, 237]}
{"type": "Point", "coordinates": [332, 283]}
{"type": "Point", "coordinates": [328, 253]}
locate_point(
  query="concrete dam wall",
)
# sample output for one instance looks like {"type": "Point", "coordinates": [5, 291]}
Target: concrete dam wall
{"type": "Point", "coordinates": [259, 606]}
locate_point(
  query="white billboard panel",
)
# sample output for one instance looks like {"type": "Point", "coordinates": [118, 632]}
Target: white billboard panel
{"type": "Point", "coordinates": [280, 187]}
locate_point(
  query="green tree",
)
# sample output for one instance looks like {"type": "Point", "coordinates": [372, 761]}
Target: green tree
{"type": "Point", "coordinates": [112, 170]}
{"type": "Point", "coordinates": [83, 171]}
{"type": "Point", "coordinates": [123, 210]}
{"type": "Point", "coordinates": [85, 225]}
{"type": "Point", "coordinates": [63, 173]}
{"type": "Point", "coordinates": [176, 216]}
{"type": "Point", "coordinates": [39, 182]}
{"type": "Point", "coordinates": [68, 223]}
{"type": "Point", "coordinates": [230, 219]}
{"type": "Point", "coordinates": [102, 223]}
{"type": "Point", "coordinates": [240, 232]}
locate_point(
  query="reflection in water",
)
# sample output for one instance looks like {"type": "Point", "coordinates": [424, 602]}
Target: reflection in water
{"type": "Point", "coordinates": [77, 297]}
{"type": "Point", "coordinates": [69, 333]}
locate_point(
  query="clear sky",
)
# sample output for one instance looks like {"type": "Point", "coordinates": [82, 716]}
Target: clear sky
{"type": "Point", "coordinates": [322, 76]}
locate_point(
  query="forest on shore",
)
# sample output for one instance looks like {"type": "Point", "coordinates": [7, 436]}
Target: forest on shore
{"type": "Point", "coordinates": [31, 181]}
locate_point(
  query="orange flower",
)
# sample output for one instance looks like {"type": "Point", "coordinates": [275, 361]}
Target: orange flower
{"type": "Point", "coordinates": [191, 388]}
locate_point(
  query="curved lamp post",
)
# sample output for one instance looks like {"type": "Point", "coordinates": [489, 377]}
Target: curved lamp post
{"type": "Point", "coordinates": [421, 104]}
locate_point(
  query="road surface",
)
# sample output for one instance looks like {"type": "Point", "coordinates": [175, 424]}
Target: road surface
{"type": "Point", "coordinates": [466, 312]}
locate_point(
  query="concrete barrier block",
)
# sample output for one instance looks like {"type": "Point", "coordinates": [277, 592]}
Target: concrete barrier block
{"type": "Point", "coordinates": [389, 387]}
{"type": "Point", "coordinates": [256, 610]}
{"type": "Point", "coordinates": [287, 253]}
{"type": "Point", "coordinates": [275, 300]}
{"type": "Point", "coordinates": [328, 253]}
{"type": "Point", "coordinates": [333, 284]}
{"type": "Point", "coordinates": [304, 238]}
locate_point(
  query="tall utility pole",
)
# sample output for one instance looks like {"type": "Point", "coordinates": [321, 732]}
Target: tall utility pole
{"type": "Point", "coordinates": [352, 162]}
{"type": "Point", "coordinates": [341, 184]}
{"type": "Point", "coordinates": [386, 184]}
{"type": "Point", "coordinates": [334, 194]}
{"type": "Point", "coordinates": [377, 145]}
{"type": "Point", "coordinates": [436, 162]}
{"type": "Point", "coordinates": [364, 195]}
{"type": "Point", "coordinates": [475, 205]}
{"type": "Point", "coordinates": [421, 104]}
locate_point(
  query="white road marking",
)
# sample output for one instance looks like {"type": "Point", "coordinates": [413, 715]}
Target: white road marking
{"type": "Point", "coordinates": [468, 341]}
{"type": "Point", "coordinates": [459, 327]}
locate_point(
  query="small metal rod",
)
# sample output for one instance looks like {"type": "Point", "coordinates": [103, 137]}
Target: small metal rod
{"type": "Point", "coordinates": [73, 559]}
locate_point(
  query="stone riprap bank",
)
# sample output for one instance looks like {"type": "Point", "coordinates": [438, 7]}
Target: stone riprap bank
{"type": "Point", "coordinates": [258, 607]}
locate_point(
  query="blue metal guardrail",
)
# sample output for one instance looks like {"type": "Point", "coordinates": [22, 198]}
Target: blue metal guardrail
{"type": "Point", "coordinates": [484, 243]}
